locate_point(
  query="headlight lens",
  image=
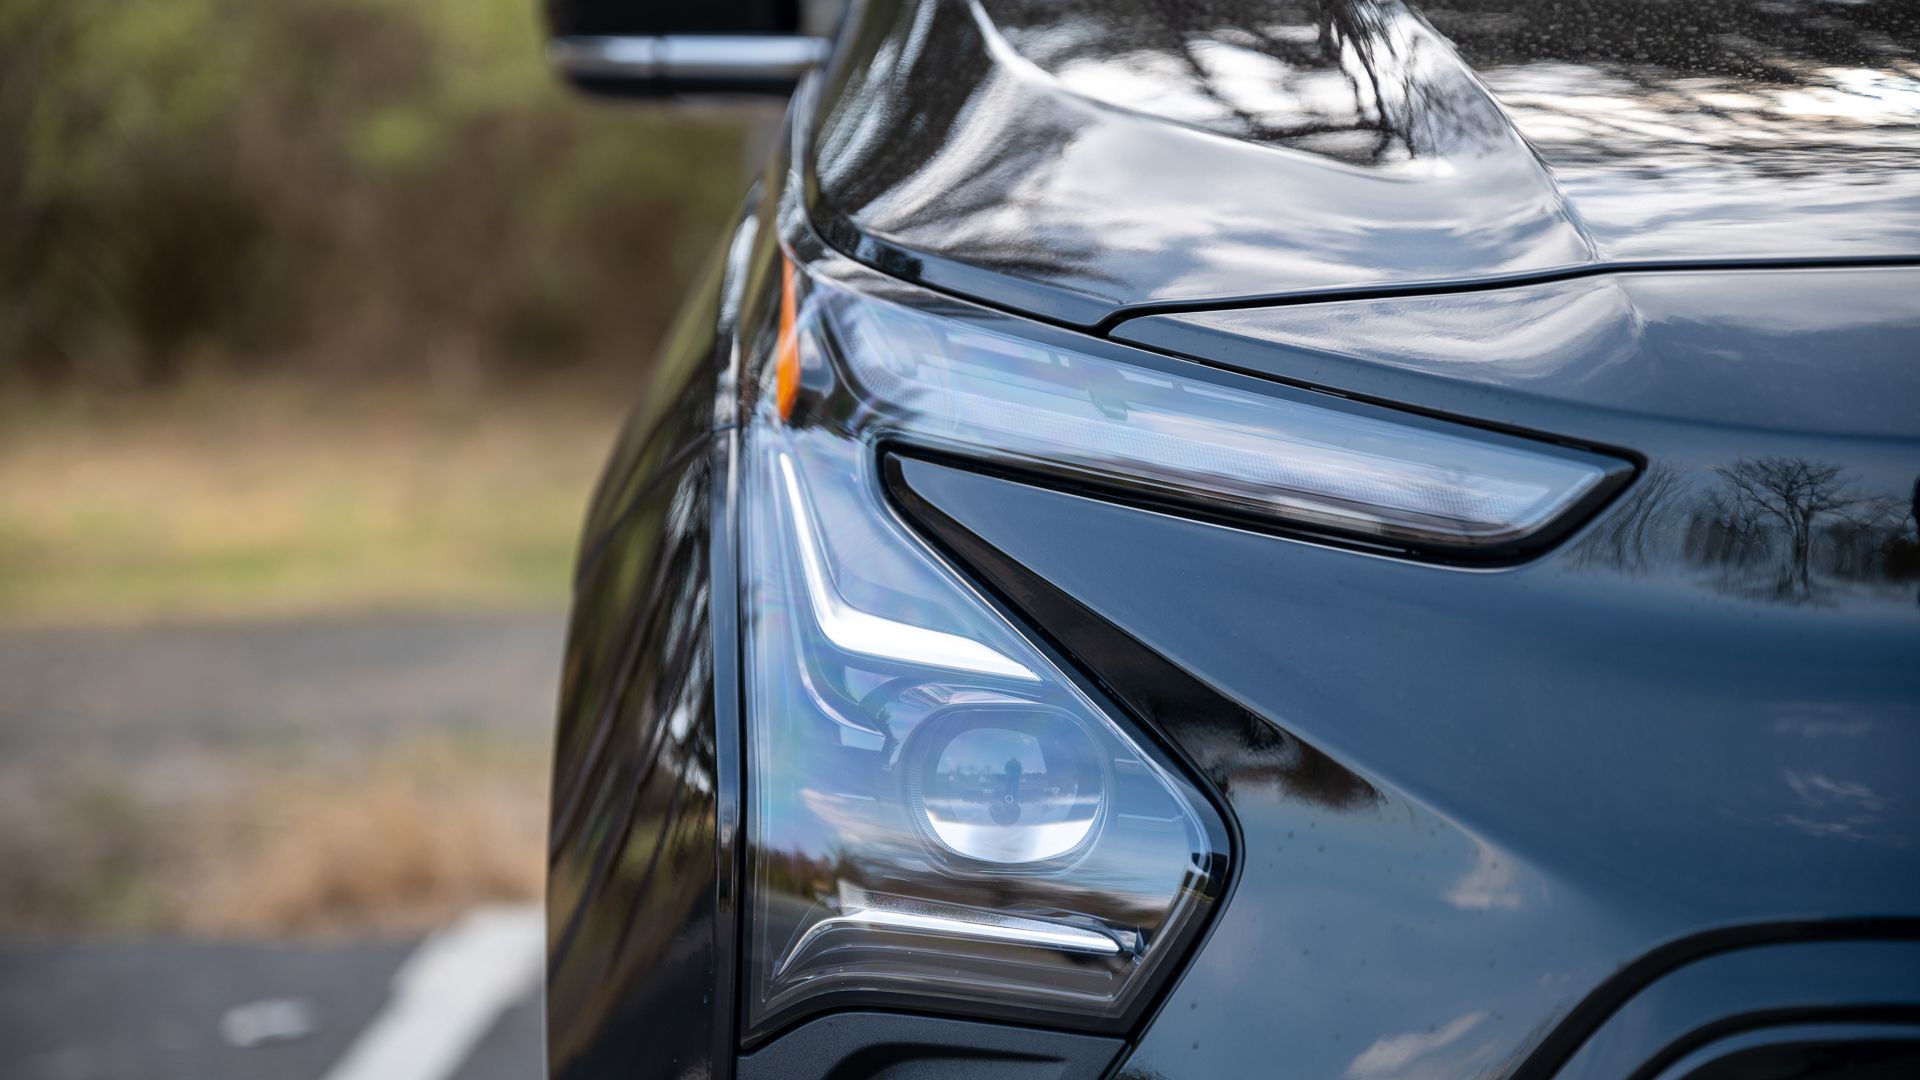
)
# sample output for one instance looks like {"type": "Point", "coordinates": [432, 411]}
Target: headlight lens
{"type": "Point", "coordinates": [938, 814]}
{"type": "Point", "coordinates": [1186, 435]}
{"type": "Point", "coordinates": [1006, 787]}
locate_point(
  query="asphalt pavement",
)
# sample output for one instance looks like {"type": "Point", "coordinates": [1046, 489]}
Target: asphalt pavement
{"type": "Point", "coordinates": [94, 1010]}
{"type": "Point", "coordinates": [141, 697]}
{"type": "Point", "coordinates": [131, 692]}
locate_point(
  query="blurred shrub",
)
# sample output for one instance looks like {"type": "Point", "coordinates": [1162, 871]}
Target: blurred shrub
{"type": "Point", "coordinates": [354, 185]}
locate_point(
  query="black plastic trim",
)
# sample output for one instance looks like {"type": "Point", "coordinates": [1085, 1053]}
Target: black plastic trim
{"type": "Point", "coordinates": [1619, 473]}
{"type": "Point", "coordinates": [1890, 1015]}
{"type": "Point", "coordinates": [857, 1045]}
{"type": "Point", "coordinates": [625, 89]}
{"type": "Point", "coordinates": [1609, 997]}
{"type": "Point", "coordinates": [1020, 296]}
{"type": "Point", "coordinates": [1101, 316]}
{"type": "Point", "coordinates": [1486, 283]}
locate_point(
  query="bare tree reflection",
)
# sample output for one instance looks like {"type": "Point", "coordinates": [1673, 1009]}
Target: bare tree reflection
{"type": "Point", "coordinates": [1365, 82]}
{"type": "Point", "coordinates": [1795, 493]}
{"type": "Point", "coordinates": [918, 166]}
{"type": "Point", "coordinates": [1777, 87]}
{"type": "Point", "coordinates": [1627, 539]}
{"type": "Point", "coordinates": [1769, 527]}
{"type": "Point", "coordinates": [1724, 535]}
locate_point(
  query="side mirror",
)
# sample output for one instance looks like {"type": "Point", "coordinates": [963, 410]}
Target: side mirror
{"type": "Point", "coordinates": [663, 48]}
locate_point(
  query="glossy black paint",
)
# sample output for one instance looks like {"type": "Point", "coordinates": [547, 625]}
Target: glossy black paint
{"type": "Point", "coordinates": [1521, 781]}
{"type": "Point", "coordinates": [633, 873]}
{"type": "Point", "coordinates": [1826, 352]}
{"type": "Point", "coordinates": [1638, 794]}
{"type": "Point", "coordinates": [1081, 161]}
{"type": "Point", "coordinates": [642, 880]}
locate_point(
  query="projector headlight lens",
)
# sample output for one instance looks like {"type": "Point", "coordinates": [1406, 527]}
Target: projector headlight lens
{"type": "Point", "coordinates": [1007, 788]}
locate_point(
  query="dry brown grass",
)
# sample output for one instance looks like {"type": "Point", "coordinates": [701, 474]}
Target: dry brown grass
{"type": "Point", "coordinates": [80, 853]}
{"type": "Point", "coordinates": [427, 834]}
{"type": "Point", "coordinates": [275, 496]}
{"type": "Point", "coordinates": [396, 844]}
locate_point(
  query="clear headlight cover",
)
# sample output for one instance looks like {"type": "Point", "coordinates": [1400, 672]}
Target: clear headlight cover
{"type": "Point", "coordinates": [938, 815]}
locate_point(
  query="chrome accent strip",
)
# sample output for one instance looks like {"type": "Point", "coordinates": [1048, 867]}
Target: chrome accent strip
{"type": "Point", "coordinates": [717, 57]}
{"type": "Point", "coordinates": [863, 632]}
{"type": "Point", "coordinates": [881, 911]}
{"type": "Point", "coordinates": [1006, 929]}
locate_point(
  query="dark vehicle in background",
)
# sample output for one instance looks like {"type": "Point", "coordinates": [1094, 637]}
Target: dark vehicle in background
{"type": "Point", "coordinates": [1263, 539]}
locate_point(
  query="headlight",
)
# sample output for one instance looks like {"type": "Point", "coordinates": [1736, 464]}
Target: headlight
{"type": "Point", "coordinates": [939, 815]}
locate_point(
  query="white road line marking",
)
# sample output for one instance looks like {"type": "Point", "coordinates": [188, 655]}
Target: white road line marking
{"type": "Point", "coordinates": [447, 996]}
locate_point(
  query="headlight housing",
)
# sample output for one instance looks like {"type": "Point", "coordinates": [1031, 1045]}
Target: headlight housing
{"type": "Point", "coordinates": [941, 815]}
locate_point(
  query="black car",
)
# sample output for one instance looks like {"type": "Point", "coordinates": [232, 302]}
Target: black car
{"type": "Point", "coordinates": [1308, 539]}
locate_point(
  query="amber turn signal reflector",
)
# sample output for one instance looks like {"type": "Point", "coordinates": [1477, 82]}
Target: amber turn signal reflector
{"type": "Point", "coordinates": [786, 380]}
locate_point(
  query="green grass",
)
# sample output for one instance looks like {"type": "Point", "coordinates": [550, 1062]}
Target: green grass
{"type": "Point", "coordinates": [285, 498]}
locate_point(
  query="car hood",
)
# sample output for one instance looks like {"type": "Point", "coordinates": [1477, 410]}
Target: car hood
{"type": "Point", "coordinates": [1090, 159]}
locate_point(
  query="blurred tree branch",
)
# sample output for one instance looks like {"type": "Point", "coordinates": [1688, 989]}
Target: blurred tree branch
{"type": "Point", "coordinates": [337, 185]}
